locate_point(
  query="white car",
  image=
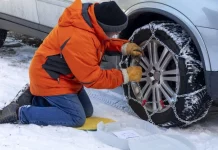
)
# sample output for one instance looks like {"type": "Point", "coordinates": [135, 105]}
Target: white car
{"type": "Point", "coordinates": [179, 38]}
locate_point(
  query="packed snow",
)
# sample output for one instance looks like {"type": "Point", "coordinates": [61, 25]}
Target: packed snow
{"type": "Point", "coordinates": [15, 58]}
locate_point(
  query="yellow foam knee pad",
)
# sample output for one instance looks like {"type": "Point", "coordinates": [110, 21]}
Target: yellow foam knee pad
{"type": "Point", "coordinates": [91, 123]}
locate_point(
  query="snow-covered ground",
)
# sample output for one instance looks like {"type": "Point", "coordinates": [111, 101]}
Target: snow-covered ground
{"type": "Point", "coordinates": [14, 75]}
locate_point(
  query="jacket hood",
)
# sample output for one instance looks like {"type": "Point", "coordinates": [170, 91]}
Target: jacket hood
{"type": "Point", "coordinates": [72, 16]}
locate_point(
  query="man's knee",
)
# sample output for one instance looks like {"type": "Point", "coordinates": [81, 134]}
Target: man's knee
{"type": "Point", "coordinates": [78, 122]}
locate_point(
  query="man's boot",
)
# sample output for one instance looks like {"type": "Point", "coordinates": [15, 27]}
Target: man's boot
{"type": "Point", "coordinates": [9, 114]}
{"type": "Point", "coordinates": [24, 96]}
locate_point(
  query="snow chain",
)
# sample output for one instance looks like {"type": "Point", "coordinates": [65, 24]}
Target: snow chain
{"type": "Point", "coordinates": [173, 105]}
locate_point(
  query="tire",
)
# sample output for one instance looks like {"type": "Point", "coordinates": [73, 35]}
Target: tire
{"type": "Point", "coordinates": [3, 35]}
{"type": "Point", "coordinates": [172, 99]}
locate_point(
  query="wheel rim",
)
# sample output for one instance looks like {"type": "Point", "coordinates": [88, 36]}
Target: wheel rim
{"type": "Point", "coordinates": [160, 81]}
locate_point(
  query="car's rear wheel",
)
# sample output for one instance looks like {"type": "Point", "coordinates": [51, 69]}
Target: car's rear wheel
{"type": "Point", "coordinates": [172, 91]}
{"type": "Point", "coordinates": [3, 35]}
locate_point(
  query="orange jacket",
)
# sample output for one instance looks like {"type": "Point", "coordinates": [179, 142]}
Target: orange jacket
{"type": "Point", "coordinates": [75, 43]}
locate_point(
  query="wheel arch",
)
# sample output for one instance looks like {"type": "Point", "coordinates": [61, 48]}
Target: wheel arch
{"type": "Point", "coordinates": [151, 11]}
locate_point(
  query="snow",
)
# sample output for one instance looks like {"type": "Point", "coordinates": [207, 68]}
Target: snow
{"type": "Point", "coordinates": [14, 75]}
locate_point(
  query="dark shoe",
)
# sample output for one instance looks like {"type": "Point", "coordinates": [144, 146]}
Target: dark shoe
{"type": "Point", "coordinates": [24, 96]}
{"type": "Point", "coordinates": [9, 113]}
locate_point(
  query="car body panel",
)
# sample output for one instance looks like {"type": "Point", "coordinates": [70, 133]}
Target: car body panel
{"type": "Point", "coordinates": [201, 12]}
{"type": "Point", "coordinates": [25, 9]}
{"type": "Point", "coordinates": [210, 37]}
{"type": "Point", "coordinates": [50, 8]}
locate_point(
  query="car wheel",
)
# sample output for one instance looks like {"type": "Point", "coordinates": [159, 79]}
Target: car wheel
{"type": "Point", "coordinates": [3, 35]}
{"type": "Point", "coordinates": [172, 91]}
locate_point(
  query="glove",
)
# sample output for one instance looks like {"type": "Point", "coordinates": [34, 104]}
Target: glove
{"type": "Point", "coordinates": [133, 73]}
{"type": "Point", "coordinates": [131, 49]}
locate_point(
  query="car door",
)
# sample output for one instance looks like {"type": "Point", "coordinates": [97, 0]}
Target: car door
{"type": "Point", "coordinates": [21, 9]}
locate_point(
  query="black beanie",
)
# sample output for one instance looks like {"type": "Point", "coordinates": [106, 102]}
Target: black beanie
{"type": "Point", "coordinates": [110, 17]}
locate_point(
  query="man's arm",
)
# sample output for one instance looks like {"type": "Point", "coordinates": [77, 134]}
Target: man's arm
{"type": "Point", "coordinates": [115, 45]}
{"type": "Point", "coordinates": [81, 57]}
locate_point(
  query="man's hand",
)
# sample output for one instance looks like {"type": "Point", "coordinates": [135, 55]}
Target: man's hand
{"type": "Point", "coordinates": [132, 49]}
{"type": "Point", "coordinates": [133, 73]}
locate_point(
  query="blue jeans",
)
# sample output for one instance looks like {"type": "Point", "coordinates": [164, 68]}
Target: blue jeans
{"type": "Point", "coordinates": [65, 110]}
